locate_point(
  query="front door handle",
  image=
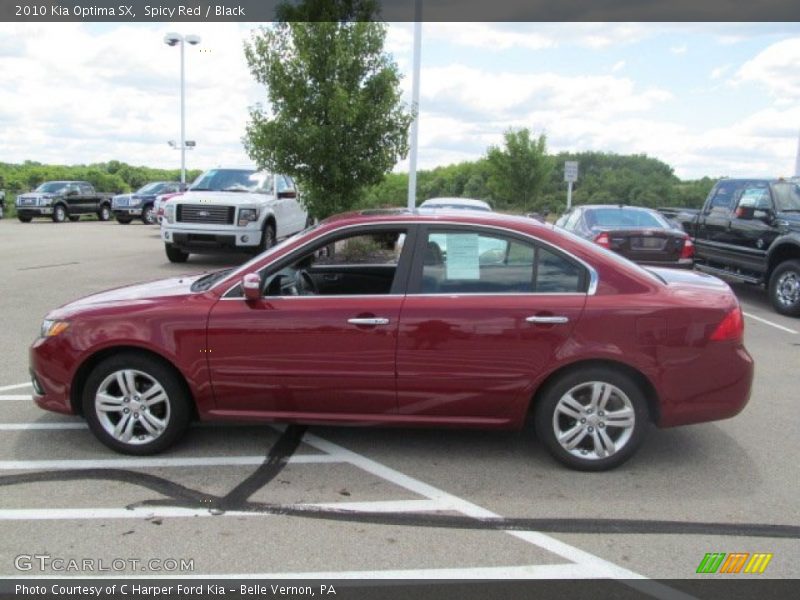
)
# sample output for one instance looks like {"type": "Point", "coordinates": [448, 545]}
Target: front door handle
{"type": "Point", "coordinates": [368, 321]}
{"type": "Point", "coordinates": [548, 319]}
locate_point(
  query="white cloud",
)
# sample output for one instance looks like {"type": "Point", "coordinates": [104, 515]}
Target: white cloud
{"type": "Point", "coordinates": [679, 49]}
{"type": "Point", "coordinates": [618, 66]}
{"type": "Point", "coordinates": [718, 72]}
{"type": "Point", "coordinates": [775, 70]}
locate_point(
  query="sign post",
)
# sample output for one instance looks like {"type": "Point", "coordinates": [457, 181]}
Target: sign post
{"type": "Point", "coordinates": [570, 176]}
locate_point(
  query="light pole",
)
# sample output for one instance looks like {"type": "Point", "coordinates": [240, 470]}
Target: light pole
{"type": "Point", "coordinates": [412, 159]}
{"type": "Point", "coordinates": [173, 39]}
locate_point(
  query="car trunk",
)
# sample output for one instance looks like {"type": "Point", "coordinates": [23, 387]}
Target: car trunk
{"type": "Point", "coordinates": [647, 245]}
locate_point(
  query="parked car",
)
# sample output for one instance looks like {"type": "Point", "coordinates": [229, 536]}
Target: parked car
{"type": "Point", "coordinates": [62, 200]}
{"type": "Point", "coordinates": [232, 209]}
{"type": "Point", "coordinates": [161, 201]}
{"type": "Point", "coordinates": [141, 203]}
{"type": "Point", "coordinates": [409, 319]}
{"type": "Point", "coordinates": [457, 204]}
{"type": "Point", "coordinates": [2, 203]}
{"type": "Point", "coordinates": [640, 234]}
{"type": "Point", "coordinates": [749, 230]}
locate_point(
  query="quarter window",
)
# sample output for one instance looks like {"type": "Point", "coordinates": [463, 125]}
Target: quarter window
{"type": "Point", "coordinates": [462, 262]}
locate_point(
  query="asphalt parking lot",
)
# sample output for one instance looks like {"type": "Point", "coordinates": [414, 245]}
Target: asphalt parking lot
{"type": "Point", "coordinates": [359, 502]}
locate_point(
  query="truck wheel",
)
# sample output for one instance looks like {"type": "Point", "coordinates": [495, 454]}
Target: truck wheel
{"type": "Point", "coordinates": [784, 288]}
{"type": "Point", "coordinates": [124, 220]}
{"type": "Point", "coordinates": [104, 214]}
{"type": "Point", "coordinates": [148, 215]}
{"type": "Point", "coordinates": [175, 254]}
{"type": "Point", "coordinates": [74, 218]}
{"type": "Point", "coordinates": [59, 213]}
{"type": "Point", "coordinates": [268, 238]}
{"type": "Point", "coordinates": [25, 219]}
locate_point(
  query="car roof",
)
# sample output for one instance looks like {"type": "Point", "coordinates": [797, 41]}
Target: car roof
{"type": "Point", "coordinates": [619, 206]}
{"type": "Point", "coordinates": [464, 201]}
{"type": "Point", "coordinates": [378, 215]}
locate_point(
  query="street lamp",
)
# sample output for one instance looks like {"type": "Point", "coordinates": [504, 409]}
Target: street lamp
{"type": "Point", "coordinates": [173, 39]}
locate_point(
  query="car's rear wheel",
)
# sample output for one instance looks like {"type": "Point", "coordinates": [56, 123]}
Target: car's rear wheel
{"type": "Point", "coordinates": [104, 214]}
{"type": "Point", "coordinates": [135, 404]}
{"type": "Point", "coordinates": [175, 254]}
{"type": "Point", "coordinates": [592, 419]}
{"type": "Point", "coordinates": [59, 213]}
{"type": "Point", "coordinates": [784, 288]}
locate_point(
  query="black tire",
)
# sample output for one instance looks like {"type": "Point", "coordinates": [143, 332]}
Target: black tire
{"type": "Point", "coordinates": [174, 410]}
{"type": "Point", "coordinates": [59, 213]}
{"type": "Point", "coordinates": [784, 288]}
{"type": "Point", "coordinates": [25, 219]}
{"type": "Point", "coordinates": [595, 423]}
{"type": "Point", "coordinates": [104, 214]}
{"type": "Point", "coordinates": [74, 218]}
{"type": "Point", "coordinates": [267, 238]}
{"type": "Point", "coordinates": [175, 254]}
{"type": "Point", "coordinates": [124, 220]}
{"type": "Point", "coordinates": [148, 215]}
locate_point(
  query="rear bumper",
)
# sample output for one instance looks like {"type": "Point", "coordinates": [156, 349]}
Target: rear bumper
{"type": "Point", "coordinates": [684, 263]}
{"type": "Point", "coordinates": [711, 386]}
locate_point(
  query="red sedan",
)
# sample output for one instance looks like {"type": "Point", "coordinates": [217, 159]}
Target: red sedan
{"type": "Point", "coordinates": [416, 319]}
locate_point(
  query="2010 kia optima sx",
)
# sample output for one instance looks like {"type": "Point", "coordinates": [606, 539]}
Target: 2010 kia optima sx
{"type": "Point", "coordinates": [400, 318]}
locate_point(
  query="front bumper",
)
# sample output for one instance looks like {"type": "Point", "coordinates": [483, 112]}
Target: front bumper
{"type": "Point", "coordinates": [34, 211]}
{"type": "Point", "coordinates": [127, 212]}
{"type": "Point", "coordinates": [51, 376]}
{"type": "Point", "coordinates": [212, 240]}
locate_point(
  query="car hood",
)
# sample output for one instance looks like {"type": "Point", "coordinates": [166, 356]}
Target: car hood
{"type": "Point", "coordinates": [792, 219]}
{"type": "Point", "coordinates": [137, 293]}
{"type": "Point", "coordinates": [224, 198]}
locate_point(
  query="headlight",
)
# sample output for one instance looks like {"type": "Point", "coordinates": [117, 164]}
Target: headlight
{"type": "Point", "coordinates": [134, 202]}
{"type": "Point", "coordinates": [45, 201]}
{"type": "Point", "coordinates": [169, 212]}
{"type": "Point", "coordinates": [52, 328]}
{"type": "Point", "coordinates": [247, 215]}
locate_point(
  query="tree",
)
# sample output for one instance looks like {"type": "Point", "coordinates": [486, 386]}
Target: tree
{"type": "Point", "coordinates": [337, 123]}
{"type": "Point", "coordinates": [519, 170]}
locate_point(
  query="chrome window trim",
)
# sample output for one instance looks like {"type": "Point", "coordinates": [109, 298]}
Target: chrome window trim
{"type": "Point", "coordinates": [591, 290]}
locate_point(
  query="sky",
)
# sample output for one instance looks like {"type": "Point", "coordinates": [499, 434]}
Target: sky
{"type": "Point", "coordinates": [708, 99]}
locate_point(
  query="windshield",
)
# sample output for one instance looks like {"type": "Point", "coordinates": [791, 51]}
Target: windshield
{"type": "Point", "coordinates": [231, 180]}
{"type": "Point", "coordinates": [787, 196]}
{"type": "Point", "coordinates": [51, 187]}
{"type": "Point", "coordinates": [623, 218]}
{"type": "Point", "coordinates": [207, 281]}
{"type": "Point", "coordinates": [150, 188]}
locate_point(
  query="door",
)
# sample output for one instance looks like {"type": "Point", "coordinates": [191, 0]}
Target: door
{"type": "Point", "coordinates": [751, 230]}
{"type": "Point", "coordinates": [485, 314]}
{"type": "Point", "coordinates": [312, 350]}
{"type": "Point", "coordinates": [292, 212]}
{"type": "Point", "coordinates": [715, 240]}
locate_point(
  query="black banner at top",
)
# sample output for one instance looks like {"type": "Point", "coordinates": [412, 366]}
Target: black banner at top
{"type": "Point", "coordinates": [404, 10]}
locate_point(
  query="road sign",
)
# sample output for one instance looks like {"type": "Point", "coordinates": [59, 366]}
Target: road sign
{"type": "Point", "coordinates": [571, 170]}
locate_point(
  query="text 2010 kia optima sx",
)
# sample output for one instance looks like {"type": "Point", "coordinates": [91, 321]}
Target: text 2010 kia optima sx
{"type": "Point", "coordinates": [400, 318]}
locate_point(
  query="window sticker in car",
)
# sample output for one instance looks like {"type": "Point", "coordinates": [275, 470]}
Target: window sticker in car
{"type": "Point", "coordinates": [463, 258]}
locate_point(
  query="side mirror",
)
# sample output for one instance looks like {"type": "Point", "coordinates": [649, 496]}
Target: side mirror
{"type": "Point", "coordinates": [287, 194]}
{"type": "Point", "coordinates": [251, 287]}
{"type": "Point", "coordinates": [745, 212]}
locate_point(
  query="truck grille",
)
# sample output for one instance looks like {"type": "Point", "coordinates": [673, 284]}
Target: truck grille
{"type": "Point", "coordinates": [23, 201]}
{"type": "Point", "coordinates": [203, 213]}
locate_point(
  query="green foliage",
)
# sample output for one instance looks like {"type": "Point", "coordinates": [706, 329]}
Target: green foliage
{"type": "Point", "coordinates": [112, 176]}
{"type": "Point", "coordinates": [518, 171]}
{"type": "Point", "coordinates": [337, 123]}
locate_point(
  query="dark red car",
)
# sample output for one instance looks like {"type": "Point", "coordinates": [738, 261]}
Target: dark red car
{"type": "Point", "coordinates": [398, 318]}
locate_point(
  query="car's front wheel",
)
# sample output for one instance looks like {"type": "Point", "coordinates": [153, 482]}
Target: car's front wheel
{"type": "Point", "coordinates": [592, 419]}
{"type": "Point", "coordinates": [135, 404]}
{"type": "Point", "coordinates": [59, 213]}
{"type": "Point", "coordinates": [148, 215]}
{"type": "Point", "coordinates": [784, 288]}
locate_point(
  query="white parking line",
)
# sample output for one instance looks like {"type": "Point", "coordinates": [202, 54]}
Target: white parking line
{"type": "Point", "coordinates": [9, 397]}
{"type": "Point", "coordinates": [154, 463]}
{"type": "Point", "coordinates": [382, 506]}
{"type": "Point", "coordinates": [41, 426]}
{"type": "Point", "coordinates": [770, 323]}
{"type": "Point", "coordinates": [15, 386]}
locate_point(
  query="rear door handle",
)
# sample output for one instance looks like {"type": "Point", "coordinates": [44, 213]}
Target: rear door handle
{"type": "Point", "coordinates": [368, 321]}
{"type": "Point", "coordinates": [548, 319]}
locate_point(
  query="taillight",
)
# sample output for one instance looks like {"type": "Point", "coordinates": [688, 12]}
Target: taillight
{"type": "Point", "coordinates": [731, 327]}
{"type": "Point", "coordinates": [602, 240]}
{"type": "Point", "coordinates": [688, 249]}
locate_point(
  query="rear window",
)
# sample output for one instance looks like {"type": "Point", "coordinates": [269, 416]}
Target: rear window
{"type": "Point", "coordinates": [622, 218]}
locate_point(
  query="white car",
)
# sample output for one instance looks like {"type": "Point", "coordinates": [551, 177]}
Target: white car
{"type": "Point", "coordinates": [232, 209]}
{"type": "Point", "coordinates": [457, 204]}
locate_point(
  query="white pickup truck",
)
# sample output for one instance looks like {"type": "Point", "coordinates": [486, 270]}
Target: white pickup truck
{"type": "Point", "coordinates": [231, 209]}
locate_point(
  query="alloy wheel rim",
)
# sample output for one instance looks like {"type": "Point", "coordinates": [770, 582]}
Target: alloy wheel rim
{"type": "Point", "coordinates": [148, 216]}
{"type": "Point", "coordinates": [594, 420]}
{"type": "Point", "coordinates": [788, 289]}
{"type": "Point", "coordinates": [132, 407]}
